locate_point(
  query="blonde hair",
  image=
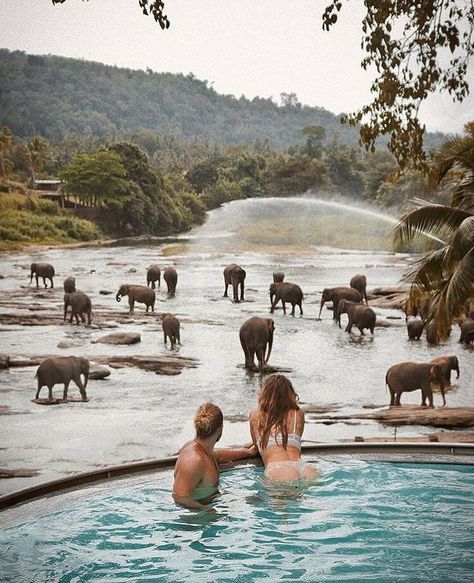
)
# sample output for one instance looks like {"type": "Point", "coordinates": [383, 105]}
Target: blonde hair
{"type": "Point", "coordinates": [208, 420]}
{"type": "Point", "coordinates": [276, 398]}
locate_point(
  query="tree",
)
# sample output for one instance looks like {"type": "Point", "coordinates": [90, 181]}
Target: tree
{"type": "Point", "coordinates": [315, 136]}
{"type": "Point", "coordinates": [202, 175]}
{"type": "Point", "coordinates": [38, 149]}
{"type": "Point", "coordinates": [406, 41]}
{"type": "Point", "coordinates": [445, 277]}
{"type": "Point", "coordinates": [6, 140]}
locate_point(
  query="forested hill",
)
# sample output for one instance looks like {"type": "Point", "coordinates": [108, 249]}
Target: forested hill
{"type": "Point", "coordinates": [53, 96]}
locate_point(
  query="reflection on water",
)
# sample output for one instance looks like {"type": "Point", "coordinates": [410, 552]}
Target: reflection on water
{"type": "Point", "coordinates": [135, 414]}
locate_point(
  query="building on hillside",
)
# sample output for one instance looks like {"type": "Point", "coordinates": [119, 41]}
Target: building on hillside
{"type": "Point", "coordinates": [51, 190]}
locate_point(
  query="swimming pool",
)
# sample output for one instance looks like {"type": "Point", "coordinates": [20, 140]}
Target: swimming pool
{"type": "Point", "coordinates": [363, 521]}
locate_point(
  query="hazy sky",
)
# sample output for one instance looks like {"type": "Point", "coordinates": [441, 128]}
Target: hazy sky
{"type": "Point", "coordinates": [250, 47]}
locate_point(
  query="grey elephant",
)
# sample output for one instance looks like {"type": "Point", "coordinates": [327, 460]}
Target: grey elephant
{"type": "Point", "coordinates": [44, 270]}
{"type": "Point", "coordinates": [256, 338]}
{"type": "Point", "coordinates": [447, 363]}
{"type": "Point", "coordinates": [153, 275]}
{"type": "Point", "coordinates": [467, 331]}
{"type": "Point", "coordinates": [278, 276]}
{"type": "Point", "coordinates": [335, 294]}
{"type": "Point", "coordinates": [63, 370]}
{"type": "Point", "coordinates": [69, 284]}
{"type": "Point", "coordinates": [171, 329]}
{"type": "Point", "coordinates": [411, 376]}
{"type": "Point", "coordinates": [359, 282]}
{"type": "Point", "coordinates": [170, 275]}
{"type": "Point", "coordinates": [286, 292]}
{"type": "Point", "coordinates": [137, 293]}
{"type": "Point", "coordinates": [360, 316]}
{"type": "Point", "coordinates": [415, 327]}
{"type": "Point", "coordinates": [234, 275]}
{"type": "Point", "coordinates": [81, 306]}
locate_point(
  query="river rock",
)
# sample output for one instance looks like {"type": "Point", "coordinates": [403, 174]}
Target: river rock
{"type": "Point", "coordinates": [98, 372]}
{"type": "Point", "coordinates": [2, 276]}
{"type": "Point", "coordinates": [119, 338]}
{"type": "Point", "coordinates": [18, 473]}
{"type": "Point", "coordinates": [105, 292]}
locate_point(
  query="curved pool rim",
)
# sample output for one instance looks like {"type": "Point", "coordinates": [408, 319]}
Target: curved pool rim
{"type": "Point", "coordinates": [395, 452]}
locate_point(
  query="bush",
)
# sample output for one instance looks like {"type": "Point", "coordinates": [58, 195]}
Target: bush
{"type": "Point", "coordinates": [194, 204]}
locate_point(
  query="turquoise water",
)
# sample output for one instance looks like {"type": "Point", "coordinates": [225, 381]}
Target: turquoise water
{"type": "Point", "coordinates": [363, 521]}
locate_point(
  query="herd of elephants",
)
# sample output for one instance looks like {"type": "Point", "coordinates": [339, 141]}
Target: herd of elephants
{"type": "Point", "coordinates": [256, 333]}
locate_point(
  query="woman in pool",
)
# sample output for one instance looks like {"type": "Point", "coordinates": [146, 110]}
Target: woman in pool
{"type": "Point", "coordinates": [196, 474]}
{"type": "Point", "coordinates": [276, 427]}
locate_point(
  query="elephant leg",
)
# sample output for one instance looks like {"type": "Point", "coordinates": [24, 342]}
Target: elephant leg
{"type": "Point", "coordinates": [242, 292]}
{"type": "Point", "coordinates": [89, 318]}
{"type": "Point", "coordinates": [335, 305]}
{"type": "Point", "coordinates": [283, 306]}
{"type": "Point", "coordinates": [44, 282]}
{"type": "Point", "coordinates": [52, 284]}
{"type": "Point", "coordinates": [301, 309]}
{"type": "Point", "coordinates": [82, 387]}
{"type": "Point", "coordinates": [427, 393]}
{"type": "Point", "coordinates": [131, 303]}
{"type": "Point", "coordinates": [153, 286]}
{"type": "Point", "coordinates": [274, 303]}
{"type": "Point", "coordinates": [147, 307]}
{"type": "Point", "coordinates": [66, 387]}
{"type": "Point", "coordinates": [392, 398]}
{"type": "Point", "coordinates": [349, 326]}
{"type": "Point", "coordinates": [77, 318]}
{"type": "Point", "coordinates": [236, 293]}
{"type": "Point", "coordinates": [293, 309]}
{"type": "Point", "coordinates": [37, 280]}
{"type": "Point", "coordinates": [165, 336]}
{"type": "Point", "coordinates": [83, 318]}
{"type": "Point", "coordinates": [38, 391]}
{"type": "Point", "coordinates": [153, 306]}
{"type": "Point", "coordinates": [260, 357]}
{"type": "Point", "coordinates": [361, 330]}
{"type": "Point", "coordinates": [225, 290]}
{"type": "Point", "coordinates": [71, 316]}
{"type": "Point", "coordinates": [397, 399]}
{"type": "Point", "coordinates": [50, 393]}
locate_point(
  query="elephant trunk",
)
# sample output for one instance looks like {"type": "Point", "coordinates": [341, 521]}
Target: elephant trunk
{"type": "Point", "coordinates": [323, 301]}
{"type": "Point", "coordinates": [269, 350]}
{"type": "Point", "coordinates": [118, 297]}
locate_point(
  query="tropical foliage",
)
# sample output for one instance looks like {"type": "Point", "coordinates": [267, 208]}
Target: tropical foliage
{"type": "Point", "coordinates": [443, 280]}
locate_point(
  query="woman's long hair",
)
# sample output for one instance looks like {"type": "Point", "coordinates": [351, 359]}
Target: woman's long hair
{"type": "Point", "coordinates": [277, 397]}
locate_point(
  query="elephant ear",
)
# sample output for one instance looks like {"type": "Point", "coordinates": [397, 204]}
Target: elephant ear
{"type": "Point", "coordinates": [435, 372]}
{"type": "Point", "coordinates": [271, 324]}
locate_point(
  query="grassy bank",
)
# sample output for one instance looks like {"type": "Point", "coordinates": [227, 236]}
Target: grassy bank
{"type": "Point", "coordinates": [26, 220]}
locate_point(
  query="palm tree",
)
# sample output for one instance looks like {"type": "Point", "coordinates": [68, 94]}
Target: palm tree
{"type": "Point", "coordinates": [6, 140]}
{"type": "Point", "coordinates": [38, 149]}
{"type": "Point", "coordinates": [443, 280]}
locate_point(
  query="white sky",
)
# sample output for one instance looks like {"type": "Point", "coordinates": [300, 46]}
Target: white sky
{"type": "Point", "coordinates": [250, 47]}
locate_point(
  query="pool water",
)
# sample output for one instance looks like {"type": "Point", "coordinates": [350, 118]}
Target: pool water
{"type": "Point", "coordinates": [363, 521]}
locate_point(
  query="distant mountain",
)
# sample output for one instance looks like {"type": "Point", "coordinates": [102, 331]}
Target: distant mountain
{"type": "Point", "coordinates": [53, 96]}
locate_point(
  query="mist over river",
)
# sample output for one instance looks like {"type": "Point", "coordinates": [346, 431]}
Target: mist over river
{"type": "Point", "coordinates": [136, 414]}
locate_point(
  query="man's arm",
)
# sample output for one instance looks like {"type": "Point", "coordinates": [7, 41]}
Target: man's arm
{"type": "Point", "coordinates": [229, 455]}
{"type": "Point", "coordinates": [188, 475]}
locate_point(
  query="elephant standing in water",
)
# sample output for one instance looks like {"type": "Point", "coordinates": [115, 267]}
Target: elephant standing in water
{"type": "Point", "coordinates": [467, 331]}
{"type": "Point", "coordinates": [359, 316]}
{"type": "Point", "coordinates": [171, 329]}
{"type": "Point", "coordinates": [153, 274]}
{"type": "Point", "coordinates": [414, 327]}
{"type": "Point", "coordinates": [256, 334]}
{"type": "Point", "coordinates": [278, 276]}
{"type": "Point", "coordinates": [69, 285]}
{"type": "Point", "coordinates": [336, 294]}
{"type": "Point", "coordinates": [447, 363]}
{"type": "Point", "coordinates": [170, 275]}
{"type": "Point", "coordinates": [234, 275]}
{"type": "Point", "coordinates": [359, 282]}
{"type": "Point", "coordinates": [411, 376]}
{"type": "Point", "coordinates": [80, 304]}
{"type": "Point", "coordinates": [286, 292]}
{"type": "Point", "coordinates": [44, 270]}
{"type": "Point", "coordinates": [63, 369]}
{"type": "Point", "coordinates": [137, 293]}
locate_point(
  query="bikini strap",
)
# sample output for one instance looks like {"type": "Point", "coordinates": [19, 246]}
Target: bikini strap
{"type": "Point", "coordinates": [294, 424]}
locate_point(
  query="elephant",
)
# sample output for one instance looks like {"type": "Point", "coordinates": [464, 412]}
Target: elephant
{"type": "Point", "coordinates": [256, 334]}
{"type": "Point", "coordinates": [467, 331]}
{"type": "Point", "coordinates": [137, 293]}
{"type": "Point", "coordinates": [153, 274]}
{"type": "Point", "coordinates": [415, 327]}
{"type": "Point", "coordinates": [335, 294]}
{"type": "Point", "coordinates": [63, 369]}
{"type": "Point", "coordinates": [286, 292]}
{"type": "Point", "coordinates": [359, 316]}
{"type": "Point", "coordinates": [411, 376]}
{"type": "Point", "coordinates": [278, 276]}
{"type": "Point", "coordinates": [80, 304]}
{"type": "Point", "coordinates": [69, 284]}
{"type": "Point", "coordinates": [171, 329]}
{"type": "Point", "coordinates": [44, 270]}
{"type": "Point", "coordinates": [447, 363]}
{"type": "Point", "coordinates": [171, 277]}
{"type": "Point", "coordinates": [359, 282]}
{"type": "Point", "coordinates": [234, 275]}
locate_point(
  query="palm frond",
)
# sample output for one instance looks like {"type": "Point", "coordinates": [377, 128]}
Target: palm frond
{"type": "Point", "coordinates": [461, 284]}
{"type": "Point", "coordinates": [463, 194]}
{"type": "Point", "coordinates": [428, 271]}
{"type": "Point", "coordinates": [455, 154]}
{"type": "Point", "coordinates": [462, 241]}
{"type": "Point", "coordinates": [429, 220]}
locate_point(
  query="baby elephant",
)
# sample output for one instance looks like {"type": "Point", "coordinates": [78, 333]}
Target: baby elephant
{"type": "Point", "coordinates": [256, 338]}
{"type": "Point", "coordinates": [171, 329]}
{"type": "Point", "coordinates": [153, 274]}
{"type": "Point", "coordinates": [63, 370]}
{"type": "Point", "coordinates": [414, 327]}
{"type": "Point", "coordinates": [286, 292]}
{"type": "Point", "coordinates": [359, 316]}
{"type": "Point", "coordinates": [81, 306]}
{"type": "Point", "coordinates": [447, 363]}
{"type": "Point", "coordinates": [137, 293]}
{"type": "Point", "coordinates": [411, 376]}
{"type": "Point", "coordinates": [44, 270]}
{"type": "Point", "coordinates": [170, 275]}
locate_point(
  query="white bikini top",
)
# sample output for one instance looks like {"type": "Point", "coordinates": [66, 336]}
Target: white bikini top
{"type": "Point", "coordinates": [294, 440]}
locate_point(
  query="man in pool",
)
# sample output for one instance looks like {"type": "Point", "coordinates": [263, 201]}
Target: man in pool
{"type": "Point", "coordinates": [196, 474]}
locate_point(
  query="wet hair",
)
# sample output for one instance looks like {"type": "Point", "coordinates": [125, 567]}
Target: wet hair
{"type": "Point", "coordinates": [208, 420]}
{"type": "Point", "coordinates": [276, 398]}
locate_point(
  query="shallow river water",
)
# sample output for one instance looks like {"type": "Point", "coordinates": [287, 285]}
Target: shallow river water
{"type": "Point", "coordinates": [136, 414]}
